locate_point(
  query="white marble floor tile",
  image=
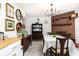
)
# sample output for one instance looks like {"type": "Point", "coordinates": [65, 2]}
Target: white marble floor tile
{"type": "Point", "coordinates": [36, 49]}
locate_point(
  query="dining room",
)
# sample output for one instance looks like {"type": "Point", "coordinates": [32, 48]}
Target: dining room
{"type": "Point", "coordinates": [39, 29]}
{"type": "Point", "coordinates": [56, 25]}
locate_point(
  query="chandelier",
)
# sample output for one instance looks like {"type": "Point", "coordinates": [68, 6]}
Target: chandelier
{"type": "Point", "coordinates": [51, 11]}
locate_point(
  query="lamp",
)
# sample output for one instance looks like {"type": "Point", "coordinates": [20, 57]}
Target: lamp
{"type": "Point", "coordinates": [74, 15]}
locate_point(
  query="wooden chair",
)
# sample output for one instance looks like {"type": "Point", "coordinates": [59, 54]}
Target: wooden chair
{"type": "Point", "coordinates": [2, 35]}
{"type": "Point", "coordinates": [63, 49]}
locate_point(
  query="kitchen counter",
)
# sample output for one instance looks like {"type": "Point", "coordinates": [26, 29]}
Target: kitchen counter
{"type": "Point", "coordinates": [9, 41]}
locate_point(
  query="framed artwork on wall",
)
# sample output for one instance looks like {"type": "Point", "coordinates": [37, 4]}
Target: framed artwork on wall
{"type": "Point", "coordinates": [9, 25]}
{"type": "Point", "coordinates": [18, 14]}
{"type": "Point", "coordinates": [9, 10]}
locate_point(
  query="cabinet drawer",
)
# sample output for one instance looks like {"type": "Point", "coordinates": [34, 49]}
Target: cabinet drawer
{"type": "Point", "coordinates": [5, 51]}
{"type": "Point", "coordinates": [13, 54]}
{"type": "Point", "coordinates": [16, 52]}
{"type": "Point", "coordinates": [9, 49]}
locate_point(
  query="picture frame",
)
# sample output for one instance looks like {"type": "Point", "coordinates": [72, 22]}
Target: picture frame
{"type": "Point", "coordinates": [18, 14]}
{"type": "Point", "coordinates": [9, 11]}
{"type": "Point", "coordinates": [9, 25]}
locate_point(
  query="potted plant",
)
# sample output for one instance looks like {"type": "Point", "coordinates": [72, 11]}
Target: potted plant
{"type": "Point", "coordinates": [68, 35]}
{"type": "Point", "coordinates": [54, 34]}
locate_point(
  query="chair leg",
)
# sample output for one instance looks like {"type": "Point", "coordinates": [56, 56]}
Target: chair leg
{"type": "Point", "coordinates": [44, 54]}
{"type": "Point", "coordinates": [67, 53]}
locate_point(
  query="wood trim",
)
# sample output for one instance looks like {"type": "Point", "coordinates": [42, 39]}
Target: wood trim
{"type": "Point", "coordinates": [63, 18]}
{"type": "Point", "coordinates": [68, 14]}
{"type": "Point", "coordinates": [62, 24]}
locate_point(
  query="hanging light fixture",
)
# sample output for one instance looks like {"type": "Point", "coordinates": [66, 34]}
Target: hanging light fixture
{"type": "Point", "coordinates": [51, 5]}
{"type": "Point", "coordinates": [51, 11]}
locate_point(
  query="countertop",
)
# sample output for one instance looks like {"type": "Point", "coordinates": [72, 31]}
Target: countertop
{"type": "Point", "coordinates": [9, 41]}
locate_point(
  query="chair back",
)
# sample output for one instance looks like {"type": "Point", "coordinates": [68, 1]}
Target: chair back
{"type": "Point", "coordinates": [2, 35]}
{"type": "Point", "coordinates": [63, 45]}
{"type": "Point", "coordinates": [49, 33]}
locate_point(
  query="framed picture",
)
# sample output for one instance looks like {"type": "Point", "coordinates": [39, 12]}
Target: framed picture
{"type": "Point", "coordinates": [9, 10]}
{"type": "Point", "coordinates": [18, 14]}
{"type": "Point", "coordinates": [9, 25]}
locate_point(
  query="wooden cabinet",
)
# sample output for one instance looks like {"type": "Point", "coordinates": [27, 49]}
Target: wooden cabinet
{"type": "Point", "coordinates": [25, 42]}
{"type": "Point", "coordinates": [37, 31]}
{"type": "Point", "coordinates": [14, 49]}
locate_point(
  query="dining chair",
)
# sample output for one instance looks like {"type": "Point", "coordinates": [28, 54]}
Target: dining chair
{"type": "Point", "coordinates": [49, 33]}
{"type": "Point", "coordinates": [2, 35]}
{"type": "Point", "coordinates": [62, 50]}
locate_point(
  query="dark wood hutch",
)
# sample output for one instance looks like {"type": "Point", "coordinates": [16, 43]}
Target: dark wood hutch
{"type": "Point", "coordinates": [37, 31]}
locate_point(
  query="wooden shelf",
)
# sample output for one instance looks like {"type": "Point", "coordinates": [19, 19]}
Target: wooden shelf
{"type": "Point", "coordinates": [62, 24]}
{"type": "Point", "coordinates": [63, 18]}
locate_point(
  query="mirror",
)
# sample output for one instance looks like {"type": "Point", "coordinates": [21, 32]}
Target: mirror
{"type": "Point", "coordinates": [18, 26]}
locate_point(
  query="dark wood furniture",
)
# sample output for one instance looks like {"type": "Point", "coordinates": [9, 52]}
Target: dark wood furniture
{"type": "Point", "coordinates": [1, 35]}
{"type": "Point", "coordinates": [63, 50]}
{"type": "Point", "coordinates": [25, 42]}
{"type": "Point", "coordinates": [49, 33]}
{"type": "Point", "coordinates": [37, 31]}
{"type": "Point", "coordinates": [63, 23]}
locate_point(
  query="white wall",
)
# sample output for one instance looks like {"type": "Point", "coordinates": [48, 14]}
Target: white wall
{"type": "Point", "coordinates": [28, 21]}
{"type": "Point", "coordinates": [3, 17]}
{"type": "Point", "coordinates": [77, 27]}
{"type": "Point", "coordinates": [46, 27]}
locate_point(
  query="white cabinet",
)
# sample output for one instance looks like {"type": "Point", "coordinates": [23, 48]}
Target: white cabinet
{"type": "Point", "coordinates": [16, 52]}
{"type": "Point", "coordinates": [14, 49]}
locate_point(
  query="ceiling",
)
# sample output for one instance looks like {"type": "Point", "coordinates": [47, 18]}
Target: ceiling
{"type": "Point", "coordinates": [40, 1]}
{"type": "Point", "coordinates": [40, 9]}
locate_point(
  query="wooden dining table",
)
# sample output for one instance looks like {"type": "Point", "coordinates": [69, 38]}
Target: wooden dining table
{"type": "Point", "coordinates": [50, 41]}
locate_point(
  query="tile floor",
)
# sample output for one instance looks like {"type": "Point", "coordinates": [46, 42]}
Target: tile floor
{"type": "Point", "coordinates": [36, 49]}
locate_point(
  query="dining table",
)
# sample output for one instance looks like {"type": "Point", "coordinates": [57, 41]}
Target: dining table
{"type": "Point", "coordinates": [50, 41]}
